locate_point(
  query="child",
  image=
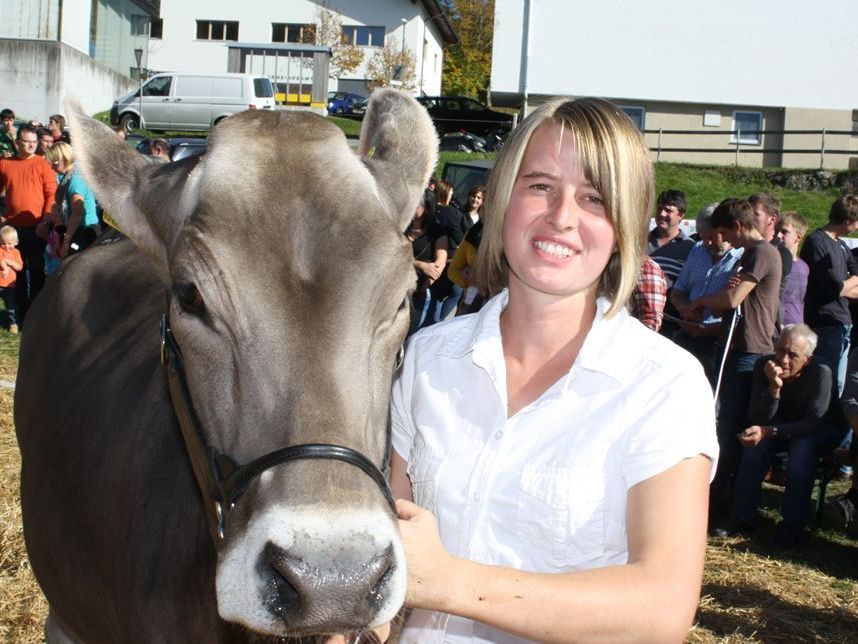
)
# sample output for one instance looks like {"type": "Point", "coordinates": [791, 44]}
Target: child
{"type": "Point", "coordinates": [791, 229]}
{"type": "Point", "coordinates": [10, 264]}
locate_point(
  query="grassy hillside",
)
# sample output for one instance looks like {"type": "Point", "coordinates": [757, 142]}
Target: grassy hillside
{"type": "Point", "coordinates": [705, 184]}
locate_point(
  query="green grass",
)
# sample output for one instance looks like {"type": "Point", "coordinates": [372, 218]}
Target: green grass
{"type": "Point", "coordinates": [9, 345]}
{"type": "Point", "coordinates": [705, 184]}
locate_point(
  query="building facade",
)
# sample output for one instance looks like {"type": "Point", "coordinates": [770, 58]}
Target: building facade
{"type": "Point", "coordinates": [709, 83]}
{"type": "Point", "coordinates": [50, 49]}
{"type": "Point", "coordinates": [195, 35]}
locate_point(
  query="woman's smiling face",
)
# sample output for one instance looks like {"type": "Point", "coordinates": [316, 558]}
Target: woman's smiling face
{"type": "Point", "coordinates": [557, 236]}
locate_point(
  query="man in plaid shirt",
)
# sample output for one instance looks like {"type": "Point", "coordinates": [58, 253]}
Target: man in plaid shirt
{"type": "Point", "coordinates": [650, 295]}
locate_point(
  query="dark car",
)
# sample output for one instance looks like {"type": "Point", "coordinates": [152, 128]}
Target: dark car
{"type": "Point", "coordinates": [180, 148]}
{"type": "Point", "coordinates": [464, 175]}
{"type": "Point", "coordinates": [454, 113]}
{"type": "Point", "coordinates": [343, 102]}
{"type": "Point", "coordinates": [359, 107]}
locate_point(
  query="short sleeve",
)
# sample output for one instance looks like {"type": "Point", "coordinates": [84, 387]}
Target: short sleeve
{"type": "Point", "coordinates": [402, 427]}
{"type": "Point", "coordinates": [677, 422]}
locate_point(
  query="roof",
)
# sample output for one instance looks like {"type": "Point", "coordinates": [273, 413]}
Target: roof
{"type": "Point", "coordinates": [437, 16]}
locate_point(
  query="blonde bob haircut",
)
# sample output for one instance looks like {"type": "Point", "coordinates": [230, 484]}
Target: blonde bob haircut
{"type": "Point", "coordinates": [615, 160]}
{"type": "Point", "coordinates": [60, 151]}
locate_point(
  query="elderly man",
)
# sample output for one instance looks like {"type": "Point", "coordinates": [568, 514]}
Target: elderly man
{"type": "Point", "coordinates": [795, 411]}
{"type": "Point", "coordinates": [709, 266]}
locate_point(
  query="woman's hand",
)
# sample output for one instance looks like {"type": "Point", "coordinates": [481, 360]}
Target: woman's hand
{"type": "Point", "coordinates": [429, 564]}
{"type": "Point", "coordinates": [429, 269]}
{"type": "Point", "coordinates": [63, 250]}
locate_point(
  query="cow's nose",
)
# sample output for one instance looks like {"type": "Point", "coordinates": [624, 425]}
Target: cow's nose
{"type": "Point", "coordinates": [346, 594]}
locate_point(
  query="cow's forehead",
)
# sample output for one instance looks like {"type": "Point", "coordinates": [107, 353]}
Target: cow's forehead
{"type": "Point", "coordinates": [266, 165]}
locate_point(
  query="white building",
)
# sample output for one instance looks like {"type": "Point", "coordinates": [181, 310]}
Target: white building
{"type": "Point", "coordinates": [705, 69]}
{"type": "Point", "coordinates": [50, 49]}
{"type": "Point", "coordinates": [193, 35]}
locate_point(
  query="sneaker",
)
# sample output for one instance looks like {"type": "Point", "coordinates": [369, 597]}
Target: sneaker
{"type": "Point", "coordinates": [13, 329]}
{"type": "Point", "coordinates": [735, 528]}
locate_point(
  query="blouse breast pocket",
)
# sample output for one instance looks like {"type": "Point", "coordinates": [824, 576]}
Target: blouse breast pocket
{"type": "Point", "coordinates": [423, 467]}
{"type": "Point", "coordinates": [561, 516]}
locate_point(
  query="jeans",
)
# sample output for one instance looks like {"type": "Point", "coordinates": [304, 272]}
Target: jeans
{"type": "Point", "coordinates": [803, 454]}
{"type": "Point", "coordinates": [8, 295]}
{"type": "Point", "coordinates": [832, 349]}
{"type": "Point", "coordinates": [732, 419]}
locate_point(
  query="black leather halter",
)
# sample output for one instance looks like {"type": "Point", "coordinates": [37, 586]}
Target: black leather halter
{"type": "Point", "coordinates": [222, 481]}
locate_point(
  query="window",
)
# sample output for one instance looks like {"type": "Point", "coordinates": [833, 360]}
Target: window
{"type": "Point", "coordinates": [139, 25]}
{"type": "Point", "coordinates": [293, 32]}
{"type": "Point", "coordinates": [217, 30]}
{"type": "Point", "coordinates": [747, 128]}
{"type": "Point", "coordinates": [636, 114]}
{"type": "Point", "coordinates": [262, 88]}
{"type": "Point", "coordinates": [158, 86]}
{"type": "Point", "coordinates": [363, 36]}
{"type": "Point", "coordinates": [157, 28]}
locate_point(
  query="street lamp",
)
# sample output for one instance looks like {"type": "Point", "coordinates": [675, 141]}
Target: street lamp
{"type": "Point", "coordinates": [138, 55]}
{"type": "Point", "coordinates": [404, 22]}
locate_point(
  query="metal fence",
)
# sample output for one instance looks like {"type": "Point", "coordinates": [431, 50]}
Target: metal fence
{"type": "Point", "coordinates": [737, 148]}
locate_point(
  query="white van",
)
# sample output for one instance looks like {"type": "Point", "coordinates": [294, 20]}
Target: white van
{"type": "Point", "coordinates": [191, 102]}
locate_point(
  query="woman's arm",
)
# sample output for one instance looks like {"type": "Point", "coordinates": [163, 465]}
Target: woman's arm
{"type": "Point", "coordinates": [400, 484]}
{"type": "Point", "coordinates": [458, 271]}
{"type": "Point", "coordinates": [75, 217]}
{"type": "Point", "coordinates": [654, 596]}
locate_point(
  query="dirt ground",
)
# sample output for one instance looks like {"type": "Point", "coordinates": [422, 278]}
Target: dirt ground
{"type": "Point", "coordinates": [751, 591]}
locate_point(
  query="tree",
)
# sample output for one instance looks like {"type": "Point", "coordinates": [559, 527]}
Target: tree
{"type": "Point", "coordinates": [468, 64]}
{"type": "Point", "coordinates": [345, 57]}
{"type": "Point", "coordinates": [392, 65]}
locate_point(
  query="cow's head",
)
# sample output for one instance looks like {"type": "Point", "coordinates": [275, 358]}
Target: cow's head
{"type": "Point", "coordinates": [288, 278]}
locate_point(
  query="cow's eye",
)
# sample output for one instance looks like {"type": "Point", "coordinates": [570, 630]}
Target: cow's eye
{"type": "Point", "coordinates": [189, 297]}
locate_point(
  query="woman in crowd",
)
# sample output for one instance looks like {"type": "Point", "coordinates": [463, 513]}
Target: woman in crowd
{"type": "Point", "coordinates": [75, 215]}
{"type": "Point", "coordinates": [561, 497]}
{"type": "Point", "coordinates": [429, 246]}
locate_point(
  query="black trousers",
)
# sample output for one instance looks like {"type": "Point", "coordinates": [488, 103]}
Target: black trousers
{"type": "Point", "coordinates": [30, 280]}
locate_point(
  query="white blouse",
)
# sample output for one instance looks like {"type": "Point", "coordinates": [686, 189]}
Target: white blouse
{"type": "Point", "coordinates": [545, 490]}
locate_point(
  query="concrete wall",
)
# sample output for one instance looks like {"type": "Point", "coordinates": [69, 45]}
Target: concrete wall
{"type": "Point", "coordinates": [38, 75]}
{"type": "Point", "coordinates": [809, 119]}
{"type": "Point", "coordinates": [179, 50]}
{"type": "Point", "coordinates": [30, 19]}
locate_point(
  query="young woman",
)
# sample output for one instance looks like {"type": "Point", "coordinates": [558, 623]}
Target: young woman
{"type": "Point", "coordinates": [557, 451]}
{"type": "Point", "coordinates": [75, 213]}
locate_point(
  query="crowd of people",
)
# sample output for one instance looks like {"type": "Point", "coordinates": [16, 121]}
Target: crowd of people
{"type": "Point", "coordinates": [46, 209]}
{"type": "Point", "coordinates": [771, 326]}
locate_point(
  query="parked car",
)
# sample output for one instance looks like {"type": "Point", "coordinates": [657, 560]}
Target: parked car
{"type": "Point", "coordinates": [180, 147]}
{"type": "Point", "coordinates": [464, 175]}
{"type": "Point", "coordinates": [343, 102]}
{"type": "Point", "coordinates": [454, 113]}
{"type": "Point", "coordinates": [191, 102]}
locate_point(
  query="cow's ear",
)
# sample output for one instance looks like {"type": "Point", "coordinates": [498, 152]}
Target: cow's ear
{"type": "Point", "coordinates": [144, 199]}
{"type": "Point", "coordinates": [399, 145]}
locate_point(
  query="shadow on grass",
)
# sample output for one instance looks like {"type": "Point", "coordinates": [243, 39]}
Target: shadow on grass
{"type": "Point", "coordinates": [757, 614]}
